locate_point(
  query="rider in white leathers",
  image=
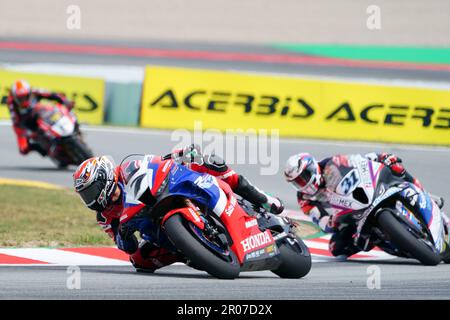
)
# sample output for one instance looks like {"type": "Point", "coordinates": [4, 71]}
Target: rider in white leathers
{"type": "Point", "coordinates": [312, 179]}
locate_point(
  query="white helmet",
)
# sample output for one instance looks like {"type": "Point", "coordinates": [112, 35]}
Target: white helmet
{"type": "Point", "coordinates": [303, 172]}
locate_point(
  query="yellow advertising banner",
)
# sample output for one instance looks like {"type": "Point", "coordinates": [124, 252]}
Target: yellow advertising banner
{"type": "Point", "coordinates": [175, 98]}
{"type": "Point", "coordinates": [87, 93]}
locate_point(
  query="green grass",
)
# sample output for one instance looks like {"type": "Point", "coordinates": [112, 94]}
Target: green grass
{"type": "Point", "coordinates": [35, 217]}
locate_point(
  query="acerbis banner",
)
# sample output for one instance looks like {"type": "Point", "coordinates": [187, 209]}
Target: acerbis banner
{"type": "Point", "coordinates": [176, 98]}
{"type": "Point", "coordinates": [88, 93]}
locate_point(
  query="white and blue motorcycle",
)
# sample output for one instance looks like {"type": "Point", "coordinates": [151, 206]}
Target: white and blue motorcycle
{"type": "Point", "coordinates": [397, 216]}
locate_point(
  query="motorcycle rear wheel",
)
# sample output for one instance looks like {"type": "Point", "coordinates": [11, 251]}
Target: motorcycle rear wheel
{"type": "Point", "coordinates": [296, 260]}
{"type": "Point", "coordinates": [405, 240]}
{"type": "Point", "coordinates": [194, 250]}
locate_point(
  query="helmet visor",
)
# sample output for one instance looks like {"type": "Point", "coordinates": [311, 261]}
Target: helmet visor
{"type": "Point", "coordinates": [92, 193]}
{"type": "Point", "coordinates": [305, 177]}
{"type": "Point", "coordinates": [22, 101]}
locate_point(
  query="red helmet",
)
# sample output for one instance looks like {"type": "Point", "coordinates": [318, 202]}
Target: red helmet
{"type": "Point", "coordinates": [303, 171]}
{"type": "Point", "coordinates": [21, 93]}
{"type": "Point", "coordinates": [95, 181]}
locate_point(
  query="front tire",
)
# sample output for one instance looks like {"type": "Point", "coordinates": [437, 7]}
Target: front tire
{"type": "Point", "coordinates": [195, 251]}
{"type": "Point", "coordinates": [296, 260]}
{"type": "Point", "coordinates": [405, 240]}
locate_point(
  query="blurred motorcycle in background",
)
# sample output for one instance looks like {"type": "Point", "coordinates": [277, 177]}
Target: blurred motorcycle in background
{"type": "Point", "coordinates": [58, 135]}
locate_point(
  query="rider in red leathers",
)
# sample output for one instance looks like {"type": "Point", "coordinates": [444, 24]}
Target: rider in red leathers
{"type": "Point", "coordinates": [98, 175]}
{"type": "Point", "coordinates": [310, 179]}
{"type": "Point", "coordinates": [21, 101]}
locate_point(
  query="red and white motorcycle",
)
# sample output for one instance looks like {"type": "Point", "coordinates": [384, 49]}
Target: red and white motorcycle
{"type": "Point", "coordinates": [176, 201]}
{"type": "Point", "coordinates": [58, 134]}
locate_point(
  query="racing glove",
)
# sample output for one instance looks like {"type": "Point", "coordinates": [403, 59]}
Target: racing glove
{"type": "Point", "coordinates": [325, 222]}
{"type": "Point", "coordinates": [189, 154]}
{"type": "Point", "coordinates": [394, 163]}
{"type": "Point", "coordinates": [126, 240]}
{"type": "Point", "coordinates": [389, 159]}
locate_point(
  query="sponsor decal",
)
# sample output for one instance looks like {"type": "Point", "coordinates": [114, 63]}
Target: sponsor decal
{"type": "Point", "coordinates": [380, 199]}
{"type": "Point", "coordinates": [342, 202]}
{"type": "Point", "coordinates": [348, 183]}
{"type": "Point", "coordinates": [230, 207]}
{"type": "Point", "coordinates": [256, 241]}
{"type": "Point", "coordinates": [205, 181]}
{"type": "Point", "coordinates": [87, 93]}
{"type": "Point", "coordinates": [255, 254]}
{"type": "Point", "coordinates": [330, 109]}
{"type": "Point", "coordinates": [251, 223]}
{"type": "Point", "coordinates": [167, 165]}
{"type": "Point", "coordinates": [270, 249]}
{"type": "Point", "coordinates": [194, 215]}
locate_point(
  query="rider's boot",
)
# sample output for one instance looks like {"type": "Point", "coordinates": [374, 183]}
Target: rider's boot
{"type": "Point", "coordinates": [149, 257]}
{"type": "Point", "coordinates": [258, 197]}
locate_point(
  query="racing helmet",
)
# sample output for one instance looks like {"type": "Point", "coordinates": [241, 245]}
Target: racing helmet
{"type": "Point", "coordinates": [304, 173]}
{"type": "Point", "coordinates": [95, 181]}
{"type": "Point", "coordinates": [21, 93]}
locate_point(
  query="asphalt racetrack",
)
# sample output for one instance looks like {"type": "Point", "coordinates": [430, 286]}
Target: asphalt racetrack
{"type": "Point", "coordinates": [400, 279]}
{"type": "Point", "coordinates": [340, 280]}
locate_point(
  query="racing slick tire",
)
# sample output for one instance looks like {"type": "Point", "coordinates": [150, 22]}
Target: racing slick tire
{"type": "Point", "coordinates": [405, 240]}
{"type": "Point", "coordinates": [193, 249]}
{"type": "Point", "coordinates": [296, 260]}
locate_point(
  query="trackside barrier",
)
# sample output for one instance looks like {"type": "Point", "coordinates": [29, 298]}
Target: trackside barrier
{"type": "Point", "coordinates": [123, 103]}
{"type": "Point", "coordinates": [88, 93]}
{"type": "Point", "coordinates": [177, 97]}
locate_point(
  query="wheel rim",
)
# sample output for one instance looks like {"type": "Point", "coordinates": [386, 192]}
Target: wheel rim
{"type": "Point", "coordinates": [425, 241]}
{"type": "Point", "coordinates": [222, 253]}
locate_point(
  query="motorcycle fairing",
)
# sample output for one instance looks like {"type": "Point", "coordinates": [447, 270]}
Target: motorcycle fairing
{"type": "Point", "coordinates": [203, 189]}
{"type": "Point", "coordinates": [55, 119]}
{"type": "Point", "coordinates": [150, 173]}
{"type": "Point", "coordinates": [359, 176]}
{"type": "Point", "coordinates": [429, 211]}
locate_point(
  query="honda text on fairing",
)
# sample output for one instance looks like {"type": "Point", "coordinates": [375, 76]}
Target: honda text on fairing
{"type": "Point", "coordinates": [159, 191]}
{"type": "Point", "coordinates": [397, 216]}
{"type": "Point", "coordinates": [59, 135]}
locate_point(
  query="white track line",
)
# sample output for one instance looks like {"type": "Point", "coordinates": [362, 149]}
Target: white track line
{"type": "Point", "coordinates": [61, 257]}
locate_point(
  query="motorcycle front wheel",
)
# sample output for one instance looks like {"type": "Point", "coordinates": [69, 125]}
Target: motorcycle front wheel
{"type": "Point", "coordinates": [405, 240]}
{"type": "Point", "coordinates": [189, 239]}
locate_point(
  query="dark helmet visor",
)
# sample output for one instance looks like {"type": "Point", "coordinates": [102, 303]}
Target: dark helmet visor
{"type": "Point", "coordinates": [305, 176]}
{"type": "Point", "coordinates": [91, 194]}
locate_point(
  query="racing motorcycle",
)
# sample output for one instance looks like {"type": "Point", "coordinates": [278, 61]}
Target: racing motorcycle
{"type": "Point", "coordinates": [397, 216]}
{"type": "Point", "coordinates": [59, 135]}
{"type": "Point", "coordinates": [163, 193]}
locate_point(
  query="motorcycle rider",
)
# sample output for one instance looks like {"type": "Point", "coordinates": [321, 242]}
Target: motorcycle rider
{"type": "Point", "coordinates": [21, 101]}
{"type": "Point", "coordinates": [310, 180]}
{"type": "Point", "coordinates": [98, 176]}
